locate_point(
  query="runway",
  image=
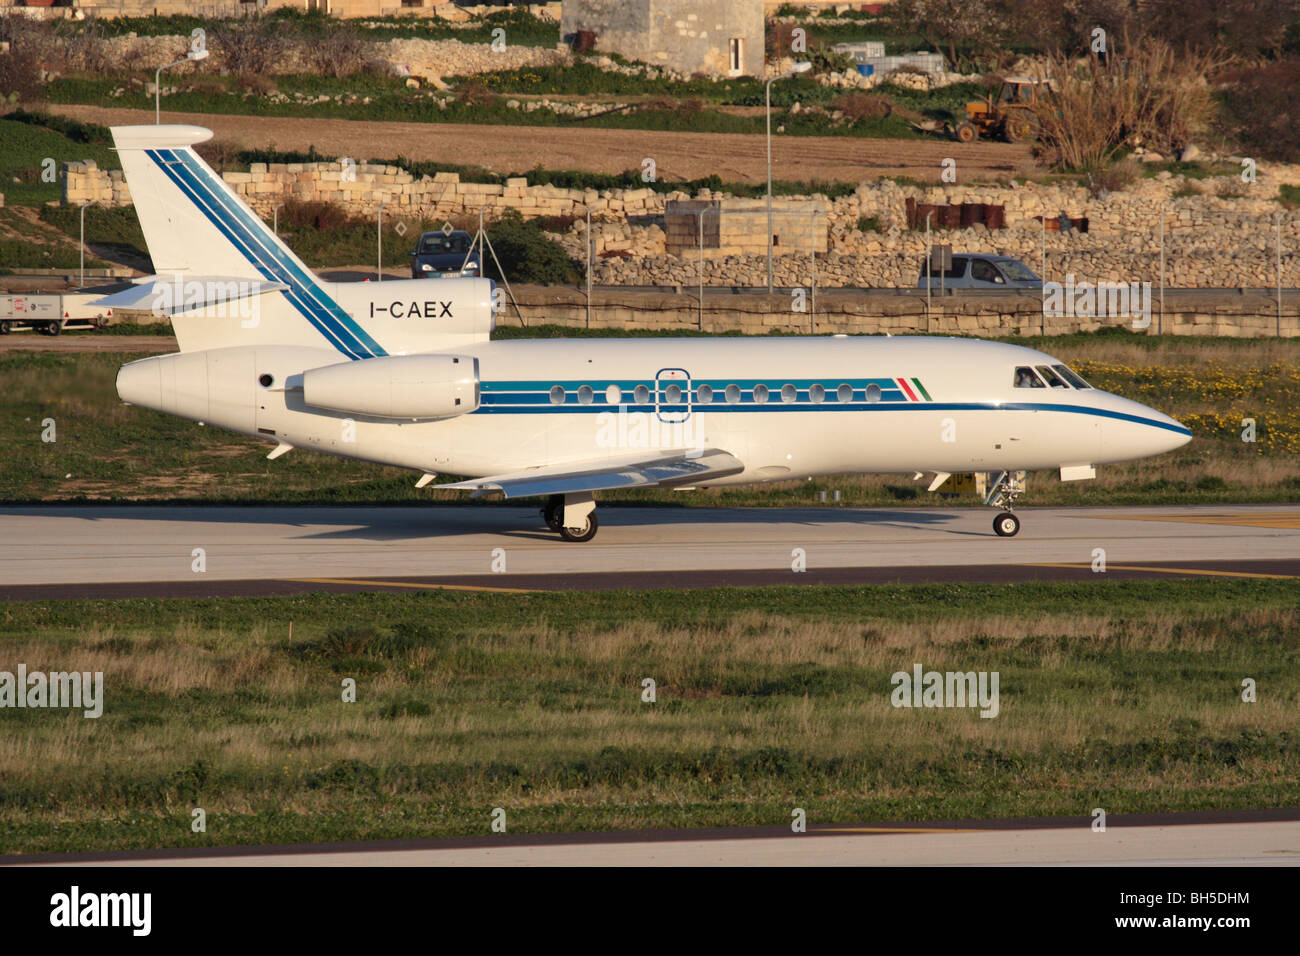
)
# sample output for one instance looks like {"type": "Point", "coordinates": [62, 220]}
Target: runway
{"type": "Point", "coordinates": [1230, 838]}
{"type": "Point", "coordinates": [107, 552]}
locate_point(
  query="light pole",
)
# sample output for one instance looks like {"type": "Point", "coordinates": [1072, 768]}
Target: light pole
{"type": "Point", "coordinates": [82, 285]}
{"type": "Point", "coordinates": [703, 212]}
{"type": "Point", "coordinates": [275, 218]}
{"type": "Point", "coordinates": [929, 272]}
{"type": "Point", "coordinates": [1160, 325]}
{"type": "Point", "coordinates": [800, 67]}
{"type": "Point", "coordinates": [192, 57]}
{"type": "Point", "coordinates": [379, 236]}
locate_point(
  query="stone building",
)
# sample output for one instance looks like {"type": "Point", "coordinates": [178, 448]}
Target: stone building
{"type": "Point", "coordinates": [722, 37]}
{"type": "Point", "coordinates": [738, 227]}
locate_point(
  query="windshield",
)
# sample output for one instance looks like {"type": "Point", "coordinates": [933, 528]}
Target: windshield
{"type": "Point", "coordinates": [1071, 376]}
{"type": "Point", "coordinates": [444, 245]}
{"type": "Point", "coordinates": [1017, 271]}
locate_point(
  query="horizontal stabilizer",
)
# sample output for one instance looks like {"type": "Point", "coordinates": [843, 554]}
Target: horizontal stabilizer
{"type": "Point", "coordinates": [664, 469]}
{"type": "Point", "coordinates": [167, 296]}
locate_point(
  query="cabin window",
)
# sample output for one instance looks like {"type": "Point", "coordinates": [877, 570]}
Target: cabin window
{"type": "Point", "coordinates": [585, 395]}
{"type": "Point", "coordinates": [613, 395]}
{"type": "Point", "coordinates": [1051, 378]}
{"type": "Point", "coordinates": [1071, 376]}
{"type": "Point", "coordinates": [760, 394]}
{"type": "Point", "coordinates": [642, 394]}
{"type": "Point", "coordinates": [817, 394]}
{"type": "Point", "coordinates": [789, 393]}
{"type": "Point", "coordinates": [1025, 378]}
{"type": "Point", "coordinates": [733, 394]}
{"type": "Point", "coordinates": [872, 392]}
{"type": "Point", "coordinates": [704, 394]}
{"type": "Point", "coordinates": [673, 395]}
{"type": "Point", "coordinates": [844, 393]}
{"type": "Point", "coordinates": [557, 394]}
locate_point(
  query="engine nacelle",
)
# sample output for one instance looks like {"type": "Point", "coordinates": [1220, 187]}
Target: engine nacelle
{"type": "Point", "coordinates": [396, 386]}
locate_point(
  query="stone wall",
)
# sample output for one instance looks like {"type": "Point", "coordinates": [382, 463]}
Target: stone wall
{"type": "Point", "coordinates": [1218, 232]}
{"type": "Point", "coordinates": [1244, 317]}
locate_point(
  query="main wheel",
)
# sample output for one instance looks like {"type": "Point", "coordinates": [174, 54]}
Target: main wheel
{"type": "Point", "coordinates": [585, 533]}
{"type": "Point", "coordinates": [1006, 525]}
{"type": "Point", "coordinates": [553, 512]}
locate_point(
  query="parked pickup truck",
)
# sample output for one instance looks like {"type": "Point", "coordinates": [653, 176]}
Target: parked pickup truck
{"type": "Point", "coordinates": [979, 271]}
{"type": "Point", "coordinates": [52, 312]}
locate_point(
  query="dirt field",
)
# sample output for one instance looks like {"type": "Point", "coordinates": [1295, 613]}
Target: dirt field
{"type": "Point", "coordinates": [506, 149]}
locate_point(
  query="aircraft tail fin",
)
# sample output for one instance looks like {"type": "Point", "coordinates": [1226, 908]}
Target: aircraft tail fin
{"type": "Point", "coordinates": [197, 227]}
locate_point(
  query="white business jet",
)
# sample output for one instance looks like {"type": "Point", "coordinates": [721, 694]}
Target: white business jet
{"type": "Point", "coordinates": [403, 372]}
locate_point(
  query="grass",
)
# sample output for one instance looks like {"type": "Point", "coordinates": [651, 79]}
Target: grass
{"type": "Point", "coordinates": [390, 100]}
{"type": "Point", "coordinates": [25, 151]}
{"type": "Point", "coordinates": [110, 452]}
{"type": "Point", "coordinates": [1123, 695]}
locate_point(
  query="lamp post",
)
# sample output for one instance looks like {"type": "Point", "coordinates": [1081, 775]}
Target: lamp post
{"type": "Point", "coordinates": [800, 67]}
{"type": "Point", "coordinates": [194, 56]}
{"type": "Point", "coordinates": [929, 271]}
{"type": "Point", "coordinates": [703, 212]}
{"type": "Point", "coordinates": [82, 284]}
{"type": "Point", "coordinates": [379, 236]}
{"type": "Point", "coordinates": [275, 218]}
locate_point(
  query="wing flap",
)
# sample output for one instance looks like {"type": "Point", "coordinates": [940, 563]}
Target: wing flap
{"type": "Point", "coordinates": [663, 469]}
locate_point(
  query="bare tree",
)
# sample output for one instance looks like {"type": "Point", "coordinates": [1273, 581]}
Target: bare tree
{"type": "Point", "coordinates": [1147, 95]}
{"type": "Point", "coordinates": [251, 46]}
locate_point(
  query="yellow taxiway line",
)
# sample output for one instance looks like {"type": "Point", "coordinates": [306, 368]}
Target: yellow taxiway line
{"type": "Point", "coordinates": [1147, 567]}
{"type": "Point", "coordinates": [1288, 520]}
{"type": "Point", "coordinates": [362, 582]}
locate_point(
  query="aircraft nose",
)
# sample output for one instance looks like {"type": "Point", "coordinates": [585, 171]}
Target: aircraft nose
{"type": "Point", "coordinates": [1133, 430]}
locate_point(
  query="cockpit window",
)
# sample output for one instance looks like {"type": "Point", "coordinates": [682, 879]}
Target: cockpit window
{"type": "Point", "coordinates": [1050, 377]}
{"type": "Point", "coordinates": [1025, 378]}
{"type": "Point", "coordinates": [1071, 376]}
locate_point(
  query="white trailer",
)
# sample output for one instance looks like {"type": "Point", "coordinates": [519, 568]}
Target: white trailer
{"type": "Point", "coordinates": [52, 312]}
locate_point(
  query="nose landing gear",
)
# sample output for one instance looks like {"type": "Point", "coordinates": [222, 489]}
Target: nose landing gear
{"type": "Point", "coordinates": [1006, 488]}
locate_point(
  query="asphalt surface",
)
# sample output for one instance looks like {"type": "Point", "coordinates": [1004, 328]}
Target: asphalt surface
{"type": "Point", "coordinates": [1227, 838]}
{"type": "Point", "coordinates": [177, 551]}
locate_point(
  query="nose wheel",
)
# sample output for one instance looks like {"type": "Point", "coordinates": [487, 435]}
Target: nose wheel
{"type": "Point", "coordinates": [1005, 488]}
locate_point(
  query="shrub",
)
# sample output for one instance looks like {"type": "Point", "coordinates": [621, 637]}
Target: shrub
{"type": "Point", "coordinates": [250, 46]}
{"type": "Point", "coordinates": [527, 254]}
{"type": "Point", "coordinates": [1258, 109]}
{"type": "Point", "coordinates": [857, 106]}
{"type": "Point", "coordinates": [869, 224]}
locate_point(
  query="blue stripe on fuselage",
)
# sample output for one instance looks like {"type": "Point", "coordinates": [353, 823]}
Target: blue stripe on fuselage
{"type": "Point", "coordinates": [247, 235]}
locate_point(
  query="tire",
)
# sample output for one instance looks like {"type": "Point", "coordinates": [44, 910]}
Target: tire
{"type": "Point", "coordinates": [1006, 525]}
{"type": "Point", "coordinates": [1020, 128]}
{"type": "Point", "coordinates": [53, 328]}
{"type": "Point", "coordinates": [581, 534]}
{"type": "Point", "coordinates": [5, 327]}
{"type": "Point", "coordinates": [553, 512]}
{"type": "Point", "coordinates": [967, 133]}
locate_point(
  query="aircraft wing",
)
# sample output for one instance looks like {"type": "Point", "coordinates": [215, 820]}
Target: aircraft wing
{"type": "Point", "coordinates": [658, 468]}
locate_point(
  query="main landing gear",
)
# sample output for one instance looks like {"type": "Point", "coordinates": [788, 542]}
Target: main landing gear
{"type": "Point", "coordinates": [1006, 488]}
{"type": "Point", "coordinates": [573, 516]}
